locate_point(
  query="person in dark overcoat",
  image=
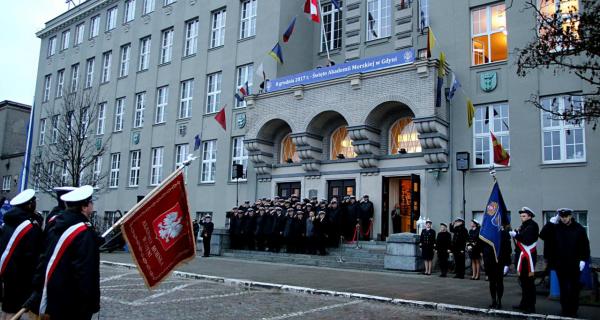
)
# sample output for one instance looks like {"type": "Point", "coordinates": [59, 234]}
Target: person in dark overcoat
{"type": "Point", "coordinates": [207, 230]}
{"type": "Point", "coordinates": [334, 214]}
{"type": "Point", "coordinates": [259, 232]}
{"type": "Point", "coordinates": [396, 219]}
{"type": "Point", "coordinates": [321, 231]}
{"type": "Point", "coordinates": [299, 232]}
{"type": "Point", "coordinates": [427, 244]}
{"type": "Point", "coordinates": [526, 238]}
{"type": "Point", "coordinates": [352, 218]}
{"type": "Point", "coordinates": [497, 267]}
{"type": "Point", "coordinates": [442, 246]}
{"type": "Point", "coordinates": [366, 211]}
{"type": "Point", "coordinates": [459, 242]}
{"type": "Point", "coordinates": [250, 229]}
{"type": "Point", "coordinates": [288, 232]}
{"type": "Point", "coordinates": [474, 249]}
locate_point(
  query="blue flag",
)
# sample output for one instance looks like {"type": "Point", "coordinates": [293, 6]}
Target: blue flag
{"type": "Point", "coordinates": [336, 3]}
{"type": "Point", "coordinates": [197, 142]}
{"type": "Point", "coordinates": [494, 218]}
{"type": "Point", "coordinates": [453, 87]}
{"type": "Point", "coordinates": [276, 53]}
{"type": "Point", "coordinates": [288, 32]}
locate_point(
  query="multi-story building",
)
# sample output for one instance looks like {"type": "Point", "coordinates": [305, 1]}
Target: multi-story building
{"type": "Point", "coordinates": [351, 110]}
{"type": "Point", "coordinates": [14, 117]}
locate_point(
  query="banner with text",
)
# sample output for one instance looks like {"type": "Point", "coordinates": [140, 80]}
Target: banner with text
{"type": "Point", "coordinates": [405, 56]}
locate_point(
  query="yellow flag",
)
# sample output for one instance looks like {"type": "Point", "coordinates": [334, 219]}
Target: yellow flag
{"type": "Point", "coordinates": [470, 112]}
{"type": "Point", "coordinates": [442, 66]}
{"type": "Point", "coordinates": [430, 41]}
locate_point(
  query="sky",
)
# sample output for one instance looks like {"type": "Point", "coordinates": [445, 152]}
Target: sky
{"type": "Point", "coordinates": [19, 21]}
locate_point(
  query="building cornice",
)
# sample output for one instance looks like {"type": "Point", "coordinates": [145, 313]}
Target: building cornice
{"type": "Point", "coordinates": [15, 105]}
{"type": "Point", "coordinates": [74, 15]}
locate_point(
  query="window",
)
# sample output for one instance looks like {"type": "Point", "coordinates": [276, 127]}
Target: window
{"type": "Point", "coordinates": [106, 62]}
{"type": "Point", "coordinates": [489, 34]}
{"type": "Point", "coordinates": [489, 118]}
{"type": "Point", "coordinates": [79, 33]}
{"type": "Point", "coordinates": [129, 11]}
{"type": "Point", "coordinates": [96, 170]}
{"type": "Point", "coordinates": [181, 153]}
{"type": "Point", "coordinates": [89, 72]}
{"type": "Point", "coordinates": [119, 110]}
{"type": "Point", "coordinates": [115, 165]}
{"type": "Point", "coordinates": [85, 122]}
{"type": "Point", "coordinates": [124, 64]}
{"type": "Point", "coordinates": [288, 150]}
{"type": "Point", "coordinates": [239, 155]}
{"type": "Point", "coordinates": [94, 26]}
{"type": "Point", "coordinates": [111, 18]}
{"type": "Point", "coordinates": [209, 161]}
{"type": "Point", "coordinates": [423, 14]}
{"type": "Point", "coordinates": [213, 92]}
{"type": "Point", "coordinates": [341, 144]}
{"type": "Point", "coordinates": [69, 124]}
{"type": "Point", "coordinates": [148, 6]}
{"type": "Point", "coordinates": [191, 37]}
{"type": "Point", "coordinates": [563, 141]}
{"type": "Point", "coordinates": [60, 75]}
{"type": "Point", "coordinates": [64, 177]}
{"type": "Point", "coordinates": [65, 39]}
{"type": "Point", "coordinates": [51, 171]}
{"type": "Point", "coordinates": [157, 163]}
{"type": "Point", "coordinates": [162, 99]}
{"type": "Point", "coordinates": [6, 183]}
{"type": "Point", "coordinates": [101, 118]}
{"type": "Point", "coordinates": [51, 46]}
{"type": "Point", "coordinates": [37, 171]}
{"type": "Point", "coordinates": [47, 85]}
{"type": "Point", "coordinates": [243, 79]}
{"type": "Point", "coordinates": [166, 45]}
{"type": "Point", "coordinates": [217, 34]}
{"type": "Point", "coordinates": [144, 53]}
{"type": "Point", "coordinates": [566, 13]}
{"type": "Point", "coordinates": [331, 32]}
{"type": "Point", "coordinates": [404, 137]}
{"type": "Point", "coordinates": [168, 2]}
{"type": "Point", "coordinates": [134, 168]}
{"type": "Point", "coordinates": [54, 137]}
{"type": "Point", "coordinates": [187, 93]}
{"type": "Point", "coordinates": [74, 77]}
{"type": "Point", "coordinates": [379, 19]}
{"type": "Point", "coordinates": [42, 139]}
{"type": "Point", "coordinates": [581, 216]}
{"type": "Point", "coordinates": [140, 105]}
{"type": "Point", "coordinates": [248, 19]}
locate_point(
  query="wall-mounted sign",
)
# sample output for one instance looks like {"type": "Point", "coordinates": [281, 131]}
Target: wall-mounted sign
{"type": "Point", "coordinates": [488, 81]}
{"type": "Point", "coordinates": [341, 70]}
{"type": "Point", "coordinates": [240, 120]}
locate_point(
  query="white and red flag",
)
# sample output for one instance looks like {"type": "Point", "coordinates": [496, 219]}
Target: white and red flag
{"type": "Point", "coordinates": [159, 231]}
{"type": "Point", "coordinates": [311, 7]}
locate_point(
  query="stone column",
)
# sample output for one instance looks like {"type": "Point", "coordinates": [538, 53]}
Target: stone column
{"type": "Point", "coordinates": [403, 253]}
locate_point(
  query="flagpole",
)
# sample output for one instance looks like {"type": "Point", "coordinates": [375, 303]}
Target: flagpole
{"type": "Point", "coordinates": [148, 196]}
{"type": "Point", "coordinates": [320, 10]}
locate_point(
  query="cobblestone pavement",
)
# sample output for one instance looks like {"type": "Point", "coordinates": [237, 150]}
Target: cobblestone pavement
{"type": "Point", "coordinates": [124, 296]}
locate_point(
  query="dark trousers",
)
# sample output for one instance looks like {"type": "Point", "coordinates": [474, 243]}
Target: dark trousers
{"type": "Point", "coordinates": [495, 274]}
{"type": "Point", "coordinates": [568, 280]}
{"type": "Point", "coordinates": [250, 243]}
{"type": "Point", "coordinates": [443, 259]}
{"type": "Point", "coordinates": [528, 289]}
{"type": "Point", "coordinates": [364, 228]}
{"type": "Point", "coordinates": [206, 244]}
{"type": "Point", "coordinates": [459, 264]}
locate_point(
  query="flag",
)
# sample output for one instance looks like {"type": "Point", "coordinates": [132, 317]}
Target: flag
{"type": "Point", "coordinates": [440, 79]}
{"type": "Point", "coordinates": [312, 8]}
{"type": "Point", "coordinates": [500, 155]}
{"type": "Point", "coordinates": [220, 117]}
{"type": "Point", "coordinates": [238, 97]}
{"type": "Point", "coordinates": [430, 42]}
{"type": "Point", "coordinates": [442, 66]}
{"type": "Point", "coordinates": [276, 53]}
{"type": "Point", "coordinates": [288, 32]}
{"type": "Point", "coordinates": [496, 216]}
{"type": "Point", "coordinates": [453, 87]}
{"type": "Point", "coordinates": [159, 231]}
{"type": "Point", "coordinates": [470, 112]}
{"type": "Point", "coordinates": [197, 142]}
{"type": "Point", "coordinates": [372, 25]}
{"type": "Point", "coordinates": [336, 3]}
{"type": "Point", "coordinates": [23, 176]}
{"type": "Point", "coordinates": [244, 90]}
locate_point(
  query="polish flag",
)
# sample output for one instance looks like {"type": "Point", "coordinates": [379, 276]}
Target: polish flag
{"type": "Point", "coordinates": [311, 7]}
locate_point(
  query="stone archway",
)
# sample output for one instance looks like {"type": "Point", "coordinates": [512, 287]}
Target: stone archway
{"type": "Point", "coordinates": [262, 148]}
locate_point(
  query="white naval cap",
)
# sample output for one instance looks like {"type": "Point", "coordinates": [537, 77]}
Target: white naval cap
{"type": "Point", "coordinates": [79, 194]}
{"type": "Point", "coordinates": [22, 197]}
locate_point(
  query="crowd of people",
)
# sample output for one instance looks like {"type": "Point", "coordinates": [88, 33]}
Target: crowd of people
{"type": "Point", "coordinates": [300, 226]}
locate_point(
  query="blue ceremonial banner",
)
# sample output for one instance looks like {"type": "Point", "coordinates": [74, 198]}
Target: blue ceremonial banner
{"type": "Point", "coordinates": [405, 56]}
{"type": "Point", "coordinates": [494, 218]}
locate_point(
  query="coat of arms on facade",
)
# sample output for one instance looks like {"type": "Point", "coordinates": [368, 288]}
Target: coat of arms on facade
{"type": "Point", "coordinates": [168, 226]}
{"type": "Point", "coordinates": [182, 130]}
{"type": "Point", "coordinates": [240, 120]}
{"type": "Point", "coordinates": [135, 138]}
{"type": "Point", "coordinates": [488, 81]}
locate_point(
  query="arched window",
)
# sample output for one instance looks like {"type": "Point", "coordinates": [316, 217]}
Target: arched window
{"type": "Point", "coordinates": [341, 144]}
{"type": "Point", "coordinates": [288, 151]}
{"type": "Point", "coordinates": [404, 137]}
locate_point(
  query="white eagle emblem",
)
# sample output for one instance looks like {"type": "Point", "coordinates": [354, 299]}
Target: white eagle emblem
{"type": "Point", "coordinates": [170, 227]}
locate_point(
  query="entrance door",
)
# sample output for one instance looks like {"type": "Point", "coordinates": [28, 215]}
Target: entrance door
{"type": "Point", "coordinates": [341, 188]}
{"type": "Point", "coordinates": [402, 195]}
{"type": "Point", "coordinates": [287, 189]}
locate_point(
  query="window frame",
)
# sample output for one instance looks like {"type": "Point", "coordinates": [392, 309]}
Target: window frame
{"type": "Point", "coordinates": [488, 33]}
{"type": "Point", "coordinates": [244, 73]}
{"type": "Point", "coordinates": [213, 92]}
{"type": "Point", "coordinates": [162, 102]}
{"type": "Point", "coordinates": [106, 66]}
{"type": "Point", "coordinates": [51, 46]}
{"type": "Point", "coordinates": [47, 87]}
{"type": "Point", "coordinates": [115, 166]}
{"type": "Point", "coordinates": [237, 145]}
{"type": "Point", "coordinates": [6, 183]}
{"type": "Point", "coordinates": [562, 127]}
{"type": "Point", "coordinates": [74, 77]}
{"type": "Point", "coordinates": [248, 13]}
{"type": "Point", "coordinates": [503, 136]}
{"type": "Point", "coordinates": [65, 39]}
{"type": "Point", "coordinates": [119, 114]}
{"type": "Point", "coordinates": [181, 152]}
{"type": "Point", "coordinates": [166, 47]}
{"type": "Point", "coordinates": [209, 161]}
{"type": "Point", "coordinates": [79, 34]}
{"type": "Point", "coordinates": [60, 83]}
{"type": "Point", "coordinates": [391, 139]}
{"type": "Point", "coordinates": [134, 167]}
{"type": "Point", "coordinates": [378, 7]}
{"type": "Point", "coordinates": [332, 17]}
{"type": "Point", "coordinates": [217, 28]}
{"type": "Point", "coordinates": [156, 171]}
{"type": "Point", "coordinates": [54, 122]}
{"type": "Point", "coordinates": [42, 137]}
{"type": "Point", "coordinates": [144, 54]}
{"type": "Point", "coordinates": [96, 171]}
{"type": "Point", "coordinates": [190, 46]}
{"type": "Point", "coordinates": [186, 96]}
{"type": "Point", "coordinates": [129, 11]}
{"type": "Point", "coordinates": [111, 18]}
{"type": "Point", "coordinates": [148, 7]}
{"type": "Point", "coordinates": [138, 113]}
{"type": "Point", "coordinates": [424, 17]}
{"type": "Point", "coordinates": [101, 118]}
{"type": "Point", "coordinates": [94, 26]}
{"type": "Point", "coordinates": [125, 56]}
{"type": "Point", "coordinates": [90, 65]}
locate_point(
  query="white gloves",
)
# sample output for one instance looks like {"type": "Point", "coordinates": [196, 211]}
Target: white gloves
{"type": "Point", "coordinates": [512, 233]}
{"type": "Point", "coordinates": [505, 270]}
{"type": "Point", "coordinates": [581, 265]}
{"type": "Point", "coordinates": [554, 219]}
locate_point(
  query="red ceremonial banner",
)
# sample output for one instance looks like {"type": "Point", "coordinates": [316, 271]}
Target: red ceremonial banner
{"type": "Point", "coordinates": [159, 231]}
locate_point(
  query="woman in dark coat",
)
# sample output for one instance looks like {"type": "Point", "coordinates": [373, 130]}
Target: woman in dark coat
{"type": "Point", "coordinates": [427, 245]}
{"type": "Point", "coordinates": [474, 249]}
{"type": "Point", "coordinates": [396, 219]}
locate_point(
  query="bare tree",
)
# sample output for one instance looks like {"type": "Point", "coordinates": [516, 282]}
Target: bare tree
{"type": "Point", "coordinates": [72, 152]}
{"type": "Point", "coordinates": [567, 39]}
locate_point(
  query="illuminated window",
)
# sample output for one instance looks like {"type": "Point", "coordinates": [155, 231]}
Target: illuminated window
{"type": "Point", "coordinates": [566, 11]}
{"type": "Point", "coordinates": [489, 34]}
{"type": "Point", "coordinates": [404, 137]}
{"type": "Point", "coordinates": [341, 144]}
{"type": "Point", "coordinates": [288, 151]}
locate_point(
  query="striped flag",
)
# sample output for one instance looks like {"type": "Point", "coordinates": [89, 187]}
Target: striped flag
{"type": "Point", "coordinates": [288, 32]}
{"type": "Point", "coordinates": [453, 87]}
{"type": "Point", "coordinates": [470, 112]}
{"type": "Point", "coordinates": [312, 8]}
{"type": "Point", "coordinates": [336, 3]}
{"type": "Point", "coordinates": [500, 155]}
{"type": "Point", "coordinates": [276, 53]}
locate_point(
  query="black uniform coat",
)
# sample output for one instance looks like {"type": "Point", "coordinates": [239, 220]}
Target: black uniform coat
{"type": "Point", "coordinates": [527, 235]}
{"type": "Point", "coordinates": [21, 266]}
{"type": "Point", "coordinates": [443, 242]}
{"type": "Point", "coordinates": [427, 243]}
{"type": "Point", "coordinates": [489, 256]}
{"type": "Point", "coordinates": [459, 239]}
{"type": "Point", "coordinates": [474, 243]}
{"type": "Point", "coordinates": [74, 289]}
{"type": "Point", "coordinates": [571, 246]}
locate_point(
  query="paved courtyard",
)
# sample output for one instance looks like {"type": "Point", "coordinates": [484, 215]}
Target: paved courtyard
{"type": "Point", "coordinates": [124, 296]}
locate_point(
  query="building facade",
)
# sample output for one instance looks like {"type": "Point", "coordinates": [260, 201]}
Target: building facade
{"type": "Point", "coordinates": [14, 117]}
{"type": "Point", "coordinates": [370, 124]}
